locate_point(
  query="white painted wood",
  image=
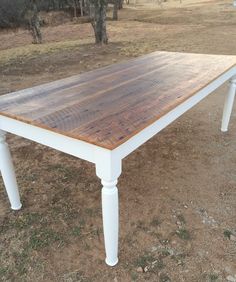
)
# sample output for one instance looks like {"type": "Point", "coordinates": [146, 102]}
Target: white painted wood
{"type": "Point", "coordinates": [51, 139]}
{"type": "Point", "coordinates": [110, 216]}
{"type": "Point", "coordinates": [133, 143]}
{"type": "Point", "coordinates": [108, 169]}
{"type": "Point", "coordinates": [229, 102]}
{"type": "Point", "coordinates": [8, 173]}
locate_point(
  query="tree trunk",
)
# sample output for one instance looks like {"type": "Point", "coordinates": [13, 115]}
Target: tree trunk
{"type": "Point", "coordinates": [115, 10]}
{"type": "Point", "coordinates": [98, 20]}
{"type": "Point", "coordinates": [81, 8]}
{"type": "Point", "coordinates": [75, 9]}
{"type": "Point", "coordinates": [120, 4]}
{"type": "Point", "coordinates": [34, 23]}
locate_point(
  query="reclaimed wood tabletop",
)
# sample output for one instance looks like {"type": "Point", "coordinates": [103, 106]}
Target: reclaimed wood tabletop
{"type": "Point", "coordinates": [108, 106]}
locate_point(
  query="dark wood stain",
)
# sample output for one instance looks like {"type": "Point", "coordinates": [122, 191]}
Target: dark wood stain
{"type": "Point", "coordinates": [108, 106]}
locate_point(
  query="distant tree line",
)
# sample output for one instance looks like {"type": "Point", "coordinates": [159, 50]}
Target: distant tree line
{"type": "Point", "coordinates": [18, 13]}
{"type": "Point", "coordinates": [12, 13]}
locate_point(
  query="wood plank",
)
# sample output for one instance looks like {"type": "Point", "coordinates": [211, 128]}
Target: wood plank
{"type": "Point", "coordinates": [108, 106]}
{"type": "Point", "coordinates": [79, 93]}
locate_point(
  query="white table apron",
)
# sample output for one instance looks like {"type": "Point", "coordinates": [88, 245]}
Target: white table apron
{"type": "Point", "coordinates": [108, 162]}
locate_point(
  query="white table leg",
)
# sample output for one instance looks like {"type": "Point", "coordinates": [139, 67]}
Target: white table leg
{"type": "Point", "coordinates": [229, 101]}
{"type": "Point", "coordinates": [110, 215]}
{"type": "Point", "coordinates": [8, 173]}
{"type": "Point", "coordinates": [109, 170]}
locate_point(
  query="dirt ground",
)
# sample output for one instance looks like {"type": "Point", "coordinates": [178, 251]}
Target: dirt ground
{"type": "Point", "coordinates": [177, 192]}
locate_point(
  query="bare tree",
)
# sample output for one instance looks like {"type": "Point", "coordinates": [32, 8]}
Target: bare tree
{"type": "Point", "coordinates": [81, 8]}
{"type": "Point", "coordinates": [120, 4]}
{"type": "Point", "coordinates": [97, 12]}
{"type": "Point", "coordinates": [115, 10]}
{"type": "Point", "coordinates": [16, 13]}
{"type": "Point", "coordinates": [75, 8]}
{"type": "Point", "coordinates": [34, 22]}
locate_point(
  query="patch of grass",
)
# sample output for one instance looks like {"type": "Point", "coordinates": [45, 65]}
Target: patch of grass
{"type": "Point", "coordinates": [92, 212]}
{"type": "Point", "coordinates": [63, 210]}
{"type": "Point", "coordinates": [227, 233]}
{"type": "Point", "coordinates": [89, 211]}
{"type": "Point", "coordinates": [164, 278]}
{"type": "Point", "coordinates": [183, 234]}
{"type": "Point", "coordinates": [129, 239]}
{"type": "Point", "coordinates": [77, 231]}
{"type": "Point", "coordinates": [134, 276]}
{"type": "Point", "coordinates": [43, 237]}
{"type": "Point", "coordinates": [26, 220]}
{"type": "Point", "coordinates": [181, 218]}
{"type": "Point", "coordinates": [213, 277]}
{"type": "Point", "coordinates": [155, 221]}
{"type": "Point", "coordinates": [66, 173]}
{"type": "Point", "coordinates": [70, 213]}
{"type": "Point", "coordinates": [157, 265]}
{"type": "Point", "coordinates": [22, 261]}
{"type": "Point", "coordinates": [3, 271]}
{"type": "Point", "coordinates": [96, 232]}
{"type": "Point", "coordinates": [164, 241]}
{"type": "Point", "coordinates": [141, 225]}
{"type": "Point", "coordinates": [179, 258]}
{"type": "Point", "coordinates": [144, 260]}
{"type": "Point", "coordinates": [31, 177]}
{"type": "Point", "coordinates": [75, 276]}
{"type": "Point", "coordinates": [23, 221]}
{"type": "Point", "coordinates": [33, 50]}
{"type": "Point", "coordinates": [165, 253]}
{"type": "Point", "coordinates": [137, 49]}
{"type": "Point", "coordinates": [86, 246]}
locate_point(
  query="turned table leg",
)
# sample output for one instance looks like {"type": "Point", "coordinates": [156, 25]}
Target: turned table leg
{"type": "Point", "coordinates": [110, 215]}
{"type": "Point", "coordinates": [8, 173]}
{"type": "Point", "coordinates": [229, 101]}
{"type": "Point", "coordinates": [108, 170]}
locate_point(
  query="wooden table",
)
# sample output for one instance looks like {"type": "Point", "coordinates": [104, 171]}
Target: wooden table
{"type": "Point", "coordinates": [104, 115]}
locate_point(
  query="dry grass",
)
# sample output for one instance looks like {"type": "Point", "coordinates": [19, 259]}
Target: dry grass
{"type": "Point", "coordinates": [32, 51]}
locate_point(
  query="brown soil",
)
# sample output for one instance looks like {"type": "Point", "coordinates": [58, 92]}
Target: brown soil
{"type": "Point", "coordinates": [177, 192]}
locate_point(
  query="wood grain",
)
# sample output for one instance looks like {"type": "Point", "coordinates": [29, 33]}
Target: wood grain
{"type": "Point", "coordinates": [108, 106]}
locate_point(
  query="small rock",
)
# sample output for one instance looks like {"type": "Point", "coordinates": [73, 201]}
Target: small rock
{"type": "Point", "coordinates": [232, 237]}
{"type": "Point", "coordinates": [146, 269]}
{"type": "Point", "coordinates": [178, 223]}
{"type": "Point", "coordinates": [228, 269]}
{"type": "Point", "coordinates": [231, 278]}
{"type": "Point", "coordinates": [173, 243]}
{"type": "Point", "coordinates": [140, 269]}
{"type": "Point", "coordinates": [164, 188]}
